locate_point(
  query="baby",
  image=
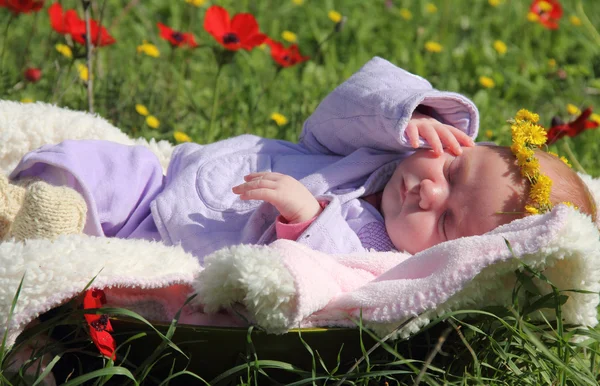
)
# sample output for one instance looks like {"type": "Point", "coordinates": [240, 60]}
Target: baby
{"type": "Point", "coordinates": [353, 182]}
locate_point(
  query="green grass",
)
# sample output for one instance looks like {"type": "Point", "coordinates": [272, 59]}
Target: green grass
{"type": "Point", "coordinates": [500, 346]}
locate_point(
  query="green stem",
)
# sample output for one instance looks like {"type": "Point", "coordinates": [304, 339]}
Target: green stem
{"type": "Point", "coordinates": [573, 158]}
{"type": "Point", "coordinates": [5, 40]}
{"type": "Point", "coordinates": [213, 114]}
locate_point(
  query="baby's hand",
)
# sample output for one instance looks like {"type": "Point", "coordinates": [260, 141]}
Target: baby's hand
{"type": "Point", "coordinates": [293, 201]}
{"type": "Point", "coordinates": [437, 134]}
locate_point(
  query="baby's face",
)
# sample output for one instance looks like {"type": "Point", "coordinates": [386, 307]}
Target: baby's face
{"type": "Point", "coordinates": [432, 199]}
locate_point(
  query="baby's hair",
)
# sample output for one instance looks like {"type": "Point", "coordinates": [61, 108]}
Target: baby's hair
{"type": "Point", "coordinates": [567, 186]}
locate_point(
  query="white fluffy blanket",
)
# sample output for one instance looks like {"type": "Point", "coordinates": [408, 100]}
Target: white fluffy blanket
{"type": "Point", "coordinates": [283, 285]}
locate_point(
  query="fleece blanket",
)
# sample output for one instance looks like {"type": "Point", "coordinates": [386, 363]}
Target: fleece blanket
{"type": "Point", "coordinates": [283, 285]}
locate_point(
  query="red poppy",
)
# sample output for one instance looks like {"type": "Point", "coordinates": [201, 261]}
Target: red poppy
{"type": "Point", "coordinates": [548, 11]}
{"type": "Point", "coordinates": [68, 23]}
{"type": "Point", "coordinates": [240, 32]}
{"type": "Point", "coordinates": [32, 74]}
{"type": "Point", "coordinates": [100, 327]}
{"type": "Point", "coordinates": [22, 6]}
{"type": "Point", "coordinates": [176, 38]}
{"type": "Point", "coordinates": [285, 57]}
{"type": "Point", "coordinates": [573, 128]}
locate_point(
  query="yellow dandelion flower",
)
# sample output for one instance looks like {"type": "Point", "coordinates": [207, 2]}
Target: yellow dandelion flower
{"type": "Point", "coordinates": [430, 8]}
{"type": "Point", "coordinates": [500, 47]}
{"type": "Point", "coordinates": [432, 46]}
{"type": "Point", "coordinates": [180, 137]}
{"type": "Point", "coordinates": [570, 204]}
{"type": "Point", "coordinates": [526, 115]}
{"type": "Point", "coordinates": [494, 3]}
{"type": "Point", "coordinates": [26, 100]}
{"type": "Point", "coordinates": [487, 82]}
{"type": "Point", "coordinates": [152, 121]}
{"type": "Point", "coordinates": [279, 119]}
{"type": "Point", "coordinates": [64, 50]}
{"type": "Point", "coordinates": [298, 2]}
{"type": "Point", "coordinates": [83, 72]}
{"type": "Point", "coordinates": [572, 109]}
{"type": "Point", "coordinates": [544, 6]}
{"type": "Point", "coordinates": [533, 134]}
{"type": "Point", "coordinates": [565, 160]}
{"type": "Point", "coordinates": [553, 154]}
{"type": "Point", "coordinates": [148, 49]}
{"type": "Point", "coordinates": [575, 20]}
{"type": "Point", "coordinates": [531, 209]}
{"type": "Point", "coordinates": [405, 14]}
{"type": "Point", "coordinates": [196, 3]}
{"type": "Point", "coordinates": [289, 36]}
{"type": "Point", "coordinates": [530, 167]}
{"type": "Point", "coordinates": [540, 191]}
{"type": "Point", "coordinates": [532, 17]}
{"type": "Point", "coordinates": [334, 16]}
{"type": "Point", "coordinates": [141, 109]}
{"type": "Point", "coordinates": [595, 118]}
{"type": "Point", "coordinates": [551, 63]}
{"type": "Point", "coordinates": [489, 133]}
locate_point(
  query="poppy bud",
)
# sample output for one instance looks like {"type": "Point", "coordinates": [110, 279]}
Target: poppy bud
{"type": "Point", "coordinates": [33, 74]}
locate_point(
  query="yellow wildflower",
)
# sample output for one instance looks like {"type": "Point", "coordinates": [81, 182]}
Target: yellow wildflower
{"type": "Point", "coordinates": [494, 3]}
{"type": "Point", "coordinates": [500, 47]}
{"type": "Point", "coordinates": [569, 203]}
{"type": "Point", "coordinates": [141, 109]}
{"type": "Point", "coordinates": [431, 8]}
{"type": "Point", "coordinates": [540, 191]}
{"type": "Point", "coordinates": [529, 165]}
{"type": "Point", "coordinates": [289, 36]}
{"type": "Point", "coordinates": [533, 134]}
{"type": "Point", "coordinates": [487, 82]}
{"type": "Point", "coordinates": [334, 16]}
{"type": "Point", "coordinates": [544, 6]}
{"type": "Point", "coordinates": [405, 14]}
{"type": "Point", "coordinates": [565, 160]}
{"type": "Point", "coordinates": [298, 2]}
{"type": "Point", "coordinates": [64, 50]}
{"type": "Point", "coordinates": [595, 118]}
{"type": "Point", "coordinates": [280, 119]}
{"type": "Point", "coordinates": [531, 209]}
{"type": "Point", "coordinates": [26, 100]}
{"type": "Point", "coordinates": [196, 3]}
{"type": "Point", "coordinates": [148, 49]}
{"type": "Point", "coordinates": [532, 17]}
{"type": "Point", "coordinates": [551, 63]}
{"type": "Point", "coordinates": [553, 154]}
{"type": "Point", "coordinates": [83, 72]}
{"type": "Point", "coordinates": [525, 115]}
{"type": "Point", "coordinates": [152, 121]}
{"type": "Point", "coordinates": [432, 46]}
{"type": "Point", "coordinates": [572, 109]}
{"type": "Point", "coordinates": [575, 20]}
{"type": "Point", "coordinates": [489, 133]}
{"type": "Point", "coordinates": [180, 136]}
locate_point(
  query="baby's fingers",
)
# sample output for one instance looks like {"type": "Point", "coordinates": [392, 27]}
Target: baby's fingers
{"type": "Point", "coordinates": [449, 140]}
{"type": "Point", "coordinates": [461, 137]}
{"type": "Point", "coordinates": [431, 136]}
{"type": "Point", "coordinates": [254, 184]}
{"type": "Point", "coordinates": [262, 175]}
{"type": "Point", "coordinates": [412, 132]}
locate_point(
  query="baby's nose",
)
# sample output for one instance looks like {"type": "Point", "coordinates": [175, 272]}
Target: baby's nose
{"type": "Point", "coordinates": [432, 195]}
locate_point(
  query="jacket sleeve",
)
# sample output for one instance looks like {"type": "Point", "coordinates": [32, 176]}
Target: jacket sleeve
{"type": "Point", "coordinates": [372, 108]}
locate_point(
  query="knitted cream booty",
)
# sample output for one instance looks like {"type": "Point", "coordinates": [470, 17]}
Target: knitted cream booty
{"type": "Point", "coordinates": [47, 212]}
{"type": "Point", "coordinates": [11, 199]}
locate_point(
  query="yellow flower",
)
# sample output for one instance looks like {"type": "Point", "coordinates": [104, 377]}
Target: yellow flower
{"type": "Point", "coordinates": [298, 2]}
{"type": "Point", "coordinates": [569, 203]}
{"type": "Point", "coordinates": [500, 47]}
{"type": "Point", "coordinates": [64, 50]}
{"type": "Point", "coordinates": [494, 3]}
{"type": "Point", "coordinates": [540, 191]}
{"type": "Point", "coordinates": [430, 8]}
{"type": "Point", "coordinates": [551, 63]}
{"type": "Point", "coordinates": [149, 49]}
{"type": "Point", "coordinates": [529, 165]}
{"type": "Point", "coordinates": [334, 16]}
{"type": "Point", "coordinates": [141, 109]}
{"type": "Point", "coordinates": [487, 82]}
{"type": "Point", "coordinates": [565, 160]}
{"type": "Point", "coordinates": [405, 14]}
{"type": "Point", "coordinates": [525, 115]}
{"type": "Point", "coordinates": [180, 136]}
{"type": "Point", "coordinates": [575, 21]}
{"type": "Point", "coordinates": [595, 118]}
{"type": "Point", "coordinates": [152, 121]}
{"type": "Point", "coordinates": [280, 119]}
{"type": "Point", "coordinates": [489, 133]}
{"type": "Point", "coordinates": [572, 109]}
{"type": "Point", "coordinates": [196, 3]}
{"type": "Point", "coordinates": [83, 72]}
{"type": "Point", "coordinates": [534, 134]}
{"type": "Point", "coordinates": [289, 36]}
{"type": "Point", "coordinates": [432, 46]}
{"type": "Point", "coordinates": [531, 209]}
{"type": "Point", "coordinates": [532, 17]}
{"type": "Point", "coordinates": [26, 100]}
{"type": "Point", "coordinates": [544, 6]}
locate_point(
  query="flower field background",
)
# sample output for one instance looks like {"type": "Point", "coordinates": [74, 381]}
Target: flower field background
{"type": "Point", "coordinates": [195, 70]}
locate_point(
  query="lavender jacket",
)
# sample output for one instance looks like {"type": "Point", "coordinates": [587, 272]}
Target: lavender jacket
{"type": "Point", "coordinates": [348, 148]}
